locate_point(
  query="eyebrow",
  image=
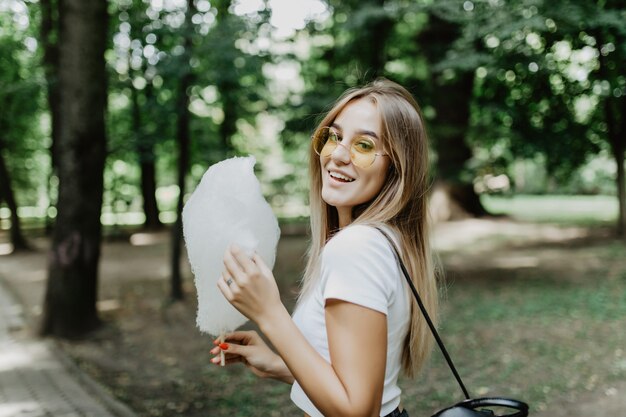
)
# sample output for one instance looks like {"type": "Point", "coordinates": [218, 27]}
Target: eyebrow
{"type": "Point", "coordinates": [361, 131]}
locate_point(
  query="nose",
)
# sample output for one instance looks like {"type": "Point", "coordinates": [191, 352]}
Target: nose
{"type": "Point", "coordinates": [341, 154]}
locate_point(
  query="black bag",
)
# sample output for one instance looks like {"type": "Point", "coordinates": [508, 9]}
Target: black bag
{"type": "Point", "coordinates": [470, 407]}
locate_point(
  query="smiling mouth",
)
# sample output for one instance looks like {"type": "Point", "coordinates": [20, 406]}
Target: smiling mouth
{"type": "Point", "coordinates": [340, 177]}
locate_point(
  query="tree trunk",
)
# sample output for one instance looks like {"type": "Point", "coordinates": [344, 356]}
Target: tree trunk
{"type": "Point", "coordinates": [228, 82]}
{"type": "Point", "coordinates": [182, 134]}
{"type": "Point", "coordinates": [144, 138]}
{"type": "Point", "coordinates": [617, 137]}
{"type": "Point", "coordinates": [372, 39]}
{"type": "Point", "coordinates": [228, 127]}
{"type": "Point", "coordinates": [49, 35]}
{"type": "Point", "coordinates": [6, 194]}
{"type": "Point", "coordinates": [614, 116]}
{"type": "Point", "coordinates": [148, 191]}
{"type": "Point", "coordinates": [145, 151]}
{"type": "Point", "coordinates": [452, 102]}
{"type": "Point", "coordinates": [183, 166]}
{"type": "Point", "coordinates": [71, 292]}
{"type": "Point", "coordinates": [621, 193]}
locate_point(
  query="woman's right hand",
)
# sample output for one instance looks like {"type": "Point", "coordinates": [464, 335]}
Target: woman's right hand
{"type": "Point", "coordinates": [248, 348]}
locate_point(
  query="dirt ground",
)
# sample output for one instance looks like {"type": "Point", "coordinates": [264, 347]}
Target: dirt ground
{"type": "Point", "coordinates": [151, 356]}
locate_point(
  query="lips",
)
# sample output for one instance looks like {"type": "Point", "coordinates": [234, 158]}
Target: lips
{"type": "Point", "coordinates": [340, 177]}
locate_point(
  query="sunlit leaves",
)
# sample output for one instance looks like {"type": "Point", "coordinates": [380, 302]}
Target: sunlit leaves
{"type": "Point", "coordinates": [21, 97]}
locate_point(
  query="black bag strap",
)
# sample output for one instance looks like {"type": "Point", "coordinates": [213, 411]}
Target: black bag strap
{"type": "Point", "coordinates": [425, 313]}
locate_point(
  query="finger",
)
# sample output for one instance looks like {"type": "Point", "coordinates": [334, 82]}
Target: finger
{"type": "Point", "coordinates": [244, 260]}
{"type": "Point", "coordinates": [233, 269]}
{"type": "Point", "coordinates": [223, 347]}
{"type": "Point", "coordinates": [232, 349]}
{"type": "Point", "coordinates": [242, 337]}
{"type": "Point", "coordinates": [226, 355]}
{"type": "Point", "coordinates": [230, 355]}
{"type": "Point", "coordinates": [225, 289]}
{"type": "Point", "coordinates": [260, 263]}
{"type": "Point", "coordinates": [234, 360]}
{"type": "Point", "coordinates": [228, 360]}
{"type": "Point", "coordinates": [229, 280]}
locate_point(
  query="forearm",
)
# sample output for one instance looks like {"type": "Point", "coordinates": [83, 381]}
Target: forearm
{"type": "Point", "coordinates": [352, 387]}
{"type": "Point", "coordinates": [315, 375]}
{"type": "Point", "coordinates": [281, 372]}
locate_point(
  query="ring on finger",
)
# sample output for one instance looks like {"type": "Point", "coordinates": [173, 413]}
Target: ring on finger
{"type": "Point", "coordinates": [229, 281]}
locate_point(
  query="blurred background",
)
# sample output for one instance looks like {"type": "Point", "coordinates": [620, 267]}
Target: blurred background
{"type": "Point", "coordinates": [111, 112]}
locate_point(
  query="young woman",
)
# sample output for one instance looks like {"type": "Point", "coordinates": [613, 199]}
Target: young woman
{"type": "Point", "coordinates": [355, 325]}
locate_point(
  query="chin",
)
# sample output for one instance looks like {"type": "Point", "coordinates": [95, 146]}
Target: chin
{"type": "Point", "coordinates": [338, 203]}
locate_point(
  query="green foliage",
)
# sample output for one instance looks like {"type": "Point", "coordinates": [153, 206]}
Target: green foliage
{"type": "Point", "coordinates": [21, 96]}
{"type": "Point", "coordinates": [148, 59]}
{"type": "Point", "coordinates": [544, 90]}
{"type": "Point", "coordinates": [543, 73]}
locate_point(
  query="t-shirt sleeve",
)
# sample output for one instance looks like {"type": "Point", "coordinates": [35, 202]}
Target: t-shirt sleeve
{"type": "Point", "coordinates": [358, 266]}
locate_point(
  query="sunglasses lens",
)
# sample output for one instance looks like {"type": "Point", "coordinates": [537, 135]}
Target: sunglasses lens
{"type": "Point", "coordinates": [362, 150]}
{"type": "Point", "coordinates": [324, 141]}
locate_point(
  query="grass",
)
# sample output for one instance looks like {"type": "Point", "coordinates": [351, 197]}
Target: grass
{"type": "Point", "coordinates": [560, 209]}
{"type": "Point", "coordinates": [544, 332]}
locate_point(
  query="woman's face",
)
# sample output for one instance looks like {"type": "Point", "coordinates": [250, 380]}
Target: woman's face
{"type": "Point", "coordinates": [345, 185]}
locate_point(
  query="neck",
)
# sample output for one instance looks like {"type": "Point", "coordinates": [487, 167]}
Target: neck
{"type": "Point", "coordinates": [345, 217]}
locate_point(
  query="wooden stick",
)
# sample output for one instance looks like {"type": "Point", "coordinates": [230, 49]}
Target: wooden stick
{"type": "Point", "coordinates": [222, 354]}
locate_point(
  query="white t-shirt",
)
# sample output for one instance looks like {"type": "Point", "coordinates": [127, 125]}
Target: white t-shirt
{"type": "Point", "coordinates": [358, 266]}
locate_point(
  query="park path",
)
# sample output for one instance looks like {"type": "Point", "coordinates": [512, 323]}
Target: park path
{"type": "Point", "coordinates": [37, 380]}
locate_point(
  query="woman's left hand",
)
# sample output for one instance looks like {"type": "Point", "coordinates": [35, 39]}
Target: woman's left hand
{"type": "Point", "coordinates": [249, 285]}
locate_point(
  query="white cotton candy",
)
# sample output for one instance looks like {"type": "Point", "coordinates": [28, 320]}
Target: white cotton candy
{"type": "Point", "coordinates": [227, 207]}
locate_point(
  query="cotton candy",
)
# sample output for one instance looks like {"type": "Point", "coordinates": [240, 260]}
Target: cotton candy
{"type": "Point", "coordinates": [227, 207]}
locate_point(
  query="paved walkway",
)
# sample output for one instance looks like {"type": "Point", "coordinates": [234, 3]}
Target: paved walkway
{"type": "Point", "coordinates": [37, 379]}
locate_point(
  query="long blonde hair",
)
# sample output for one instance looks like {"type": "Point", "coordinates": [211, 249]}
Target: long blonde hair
{"type": "Point", "coordinates": [401, 204]}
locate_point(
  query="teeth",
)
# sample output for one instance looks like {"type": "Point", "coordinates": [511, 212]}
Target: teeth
{"type": "Point", "coordinates": [341, 177]}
